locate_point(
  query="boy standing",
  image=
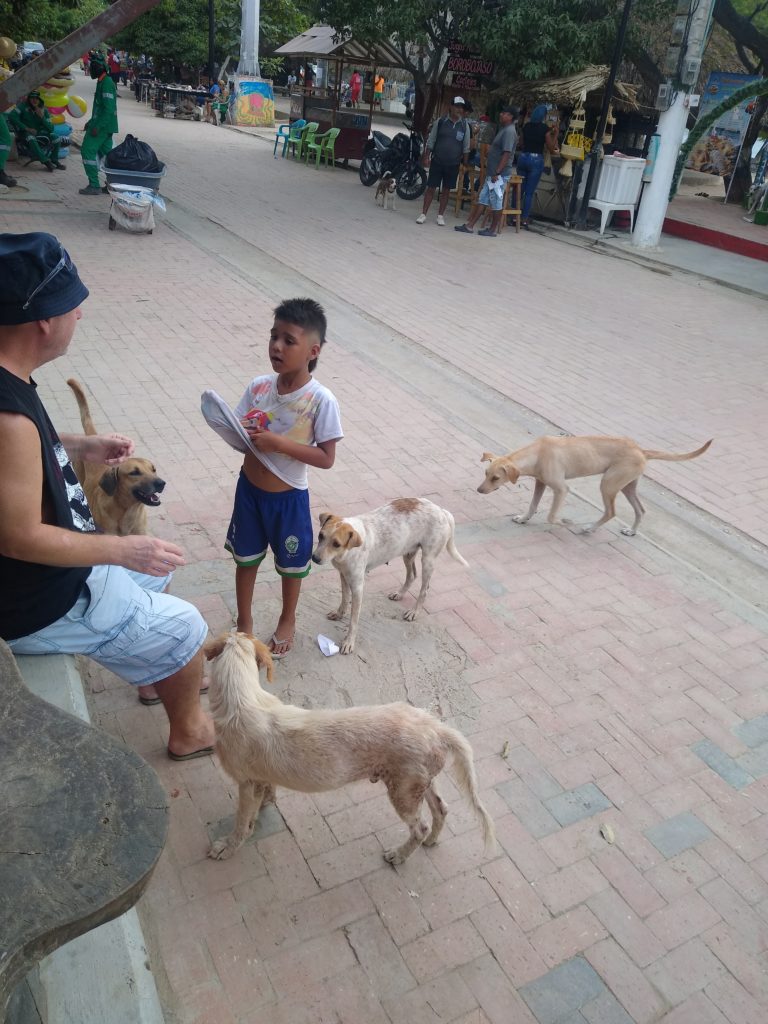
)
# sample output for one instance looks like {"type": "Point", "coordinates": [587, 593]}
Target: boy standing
{"type": "Point", "coordinates": [293, 422]}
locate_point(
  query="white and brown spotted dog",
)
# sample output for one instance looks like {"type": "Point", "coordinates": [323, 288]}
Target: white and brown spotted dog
{"type": "Point", "coordinates": [359, 543]}
{"type": "Point", "coordinates": [118, 496]}
{"type": "Point", "coordinates": [385, 190]}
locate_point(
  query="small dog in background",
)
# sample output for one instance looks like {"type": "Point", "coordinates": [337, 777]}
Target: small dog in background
{"type": "Point", "coordinates": [118, 496]}
{"type": "Point", "coordinates": [263, 743]}
{"type": "Point", "coordinates": [386, 189]}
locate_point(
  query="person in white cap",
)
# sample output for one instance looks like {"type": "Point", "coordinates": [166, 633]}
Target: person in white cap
{"type": "Point", "coordinates": [447, 148]}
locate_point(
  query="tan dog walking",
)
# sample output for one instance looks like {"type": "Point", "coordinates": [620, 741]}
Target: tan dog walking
{"type": "Point", "coordinates": [553, 460]}
{"type": "Point", "coordinates": [263, 743]}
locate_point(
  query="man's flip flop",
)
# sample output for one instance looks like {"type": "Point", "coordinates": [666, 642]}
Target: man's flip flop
{"type": "Point", "coordinates": [279, 643]}
{"type": "Point", "coordinates": [150, 702]}
{"type": "Point", "coordinates": [203, 752]}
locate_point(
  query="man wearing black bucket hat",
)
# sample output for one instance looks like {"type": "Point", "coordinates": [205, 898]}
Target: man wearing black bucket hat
{"type": "Point", "coordinates": [64, 587]}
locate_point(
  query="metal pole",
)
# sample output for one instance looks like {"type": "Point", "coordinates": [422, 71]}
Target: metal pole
{"type": "Point", "coordinates": [597, 148]}
{"type": "Point", "coordinates": [211, 34]}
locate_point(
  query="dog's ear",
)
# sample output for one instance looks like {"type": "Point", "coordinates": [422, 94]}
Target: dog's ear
{"type": "Point", "coordinates": [324, 517]}
{"type": "Point", "coordinates": [263, 657]}
{"type": "Point", "coordinates": [108, 482]}
{"type": "Point", "coordinates": [487, 457]}
{"type": "Point", "coordinates": [512, 473]}
{"type": "Point", "coordinates": [349, 538]}
{"type": "Point", "coordinates": [214, 648]}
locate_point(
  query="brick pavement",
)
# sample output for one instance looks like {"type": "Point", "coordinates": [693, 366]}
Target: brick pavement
{"type": "Point", "coordinates": [601, 682]}
{"type": "Point", "coordinates": [593, 345]}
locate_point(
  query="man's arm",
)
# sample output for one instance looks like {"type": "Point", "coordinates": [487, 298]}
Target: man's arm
{"type": "Point", "coordinates": [23, 534]}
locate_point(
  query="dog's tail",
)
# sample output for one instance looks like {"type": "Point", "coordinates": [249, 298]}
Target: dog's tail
{"type": "Point", "coordinates": [450, 546]}
{"type": "Point", "coordinates": [667, 457]}
{"type": "Point", "coordinates": [85, 412]}
{"type": "Point", "coordinates": [464, 772]}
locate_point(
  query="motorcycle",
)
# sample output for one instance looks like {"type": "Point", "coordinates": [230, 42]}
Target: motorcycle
{"type": "Point", "coordinates": [400, 156]}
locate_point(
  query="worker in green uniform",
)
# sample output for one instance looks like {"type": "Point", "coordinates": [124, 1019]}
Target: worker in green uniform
{"type": "Point", "coordinates": [97, 140]}
{"type": "Point", "coordinates": [5, 152]}
{"type": "Point", "coordinates": [31, 121]}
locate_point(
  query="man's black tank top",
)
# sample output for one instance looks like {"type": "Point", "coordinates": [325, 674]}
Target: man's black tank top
{"type": "Point", "coordinates": [33, 596]}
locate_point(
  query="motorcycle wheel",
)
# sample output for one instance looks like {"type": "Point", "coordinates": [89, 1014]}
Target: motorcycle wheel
{"type": "Point", "coordinates": [412, 182]}
{"type": "Point", "coordinates": [369, 170]}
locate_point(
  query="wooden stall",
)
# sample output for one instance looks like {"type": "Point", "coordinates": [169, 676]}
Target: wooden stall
{"type": "Point", "coordinates": [323, 103]}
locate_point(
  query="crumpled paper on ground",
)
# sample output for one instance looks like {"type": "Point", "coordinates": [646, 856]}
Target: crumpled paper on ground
{"type": "Point", "coordinates": [327, 646]}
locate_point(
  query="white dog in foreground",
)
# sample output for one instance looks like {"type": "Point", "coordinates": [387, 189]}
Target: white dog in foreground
{"type": "Point", "coordinates": [263, 743]}
{"type": "Point", "coordinates": [398, 529]}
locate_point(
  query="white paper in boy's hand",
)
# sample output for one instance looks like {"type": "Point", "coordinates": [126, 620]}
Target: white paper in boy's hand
{"type": "Point", "coordinates": [326, 645]}
{"type": "Point", "coordinates": [220, 418]}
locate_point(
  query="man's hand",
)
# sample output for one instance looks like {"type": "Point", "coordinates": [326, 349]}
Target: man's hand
{"type": "Point", "coordinates": [111, 449]}
{"type": "Point", "coordinates": [150, 555]}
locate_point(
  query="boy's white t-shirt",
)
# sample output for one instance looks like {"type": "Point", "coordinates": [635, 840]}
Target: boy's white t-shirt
{"type": "Point", "coordinates": [309, 415]}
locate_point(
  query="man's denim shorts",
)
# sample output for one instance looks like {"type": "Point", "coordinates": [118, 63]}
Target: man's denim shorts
{"type": "Point", "coordinates": [490, 197]}
{"type": "Point", "coordinates": [122, 621]}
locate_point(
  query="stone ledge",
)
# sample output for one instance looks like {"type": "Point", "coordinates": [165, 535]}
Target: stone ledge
{"type": "Point", "coordinates": [105, 974]}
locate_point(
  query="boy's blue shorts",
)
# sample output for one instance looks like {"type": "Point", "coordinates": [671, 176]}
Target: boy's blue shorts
{"type": "Point", "coordinates": [280, 521]}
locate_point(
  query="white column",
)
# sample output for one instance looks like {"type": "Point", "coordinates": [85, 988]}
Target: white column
{"type": "Point", "coordinates": [653, 205]}
{"type": "Point", "coordinates": [249, 39]}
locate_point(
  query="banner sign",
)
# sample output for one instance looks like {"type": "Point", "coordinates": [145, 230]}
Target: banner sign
{"type": "Point", "coordinates": [470, 70]}
{"type": "Point", "coordinates": [717, 152]}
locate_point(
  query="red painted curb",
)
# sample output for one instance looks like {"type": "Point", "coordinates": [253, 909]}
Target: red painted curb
{"type": "Point", "coordinates": [717, 239]}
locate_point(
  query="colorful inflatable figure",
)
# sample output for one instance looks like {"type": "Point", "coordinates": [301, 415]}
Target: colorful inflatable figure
{"type": "Point", "coordinates": [59, 103]}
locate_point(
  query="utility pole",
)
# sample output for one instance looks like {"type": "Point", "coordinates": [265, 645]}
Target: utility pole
{"type": "Point", "coordinates": [211, 35]}
{"type": "Point", "coordinates": [597, 146]}
{"type": "Point", "coordinates": [682, 65]}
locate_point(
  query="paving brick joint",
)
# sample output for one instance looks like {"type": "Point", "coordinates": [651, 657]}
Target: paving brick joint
{"type": "Point", "coordinates": [614, 695]}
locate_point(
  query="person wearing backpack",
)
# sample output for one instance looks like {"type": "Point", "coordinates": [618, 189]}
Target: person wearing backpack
{"type": "Point", "coordinates": [447, 148]}
{"type": "Point", "coordinates": [97, 140]}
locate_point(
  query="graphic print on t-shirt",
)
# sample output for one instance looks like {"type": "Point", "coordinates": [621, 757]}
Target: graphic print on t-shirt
{"type": "Point", "coordinates": [295, 418]}
{"type": "Point", "coordinates": [78, 503]}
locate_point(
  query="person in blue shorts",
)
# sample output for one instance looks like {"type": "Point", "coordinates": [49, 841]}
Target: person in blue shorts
{"type": "Point", "coordinates": [293, 422]}
{"type": "Point", "coordinates": [64, 587]}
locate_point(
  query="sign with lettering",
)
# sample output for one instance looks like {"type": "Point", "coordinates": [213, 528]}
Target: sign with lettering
{"type": "Point", "coordinates": [470, 70]}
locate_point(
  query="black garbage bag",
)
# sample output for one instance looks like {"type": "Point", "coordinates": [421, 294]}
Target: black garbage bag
{"type": "Point", "coordinates": [133, 155]}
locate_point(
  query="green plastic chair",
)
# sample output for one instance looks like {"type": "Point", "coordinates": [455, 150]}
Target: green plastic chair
{"type": "Point", "coordinates": [290, 134]}
{"type": "Point", "coordinates": [323, 146]}
{"type": "Point", "coordinates": [306, 135]}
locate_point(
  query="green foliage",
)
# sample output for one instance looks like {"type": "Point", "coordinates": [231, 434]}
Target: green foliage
{"type": "Point", "coordinates": [45, 21]}
{"type": "Point", "coordinates": [271, 66]}
{"type": "Point", "coordinates": [755, 10]}
{"type": "Point", "coordinates": [176, 31]}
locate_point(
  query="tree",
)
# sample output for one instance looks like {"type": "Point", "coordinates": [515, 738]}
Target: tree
{"type": "Point", "coordinates": [550, 37]}
{"type": "Point", "coordinates": [45, 20]}
{"type": "Point", "coordinates": [176, 31]}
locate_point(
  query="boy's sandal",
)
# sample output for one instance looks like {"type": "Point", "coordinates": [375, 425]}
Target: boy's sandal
{"type": "Point", "coordinates": [276, 643]}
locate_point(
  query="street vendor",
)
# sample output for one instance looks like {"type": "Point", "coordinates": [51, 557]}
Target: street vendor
{"type": "Point", "coordinates": [31, 121]}
{"type": "Point", "coordinates": [97, 141]}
